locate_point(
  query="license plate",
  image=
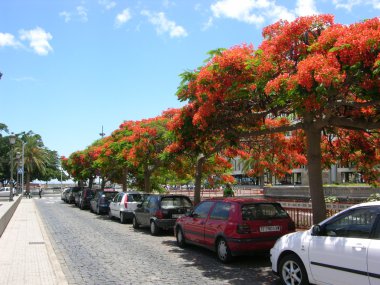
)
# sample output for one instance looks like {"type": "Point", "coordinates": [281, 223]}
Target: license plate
{"type": "Point", "coordinates": [177, 215]}
{"type": "Point", "coordinates": [270, 229]}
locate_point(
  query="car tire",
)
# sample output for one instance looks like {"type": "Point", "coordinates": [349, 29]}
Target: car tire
{"type": "Point", "coordinates": [181, 242]}
{"type": "Point", "coordinates": [223, 251]}
{"type": "Point", "coordinates": [123, 220]}
{"type": "Point", "coordinates": [292, 271]}
{"type": "Point", "coordinates": [135, 224]}
{"type": "Point", "coordinates": [154, 229]}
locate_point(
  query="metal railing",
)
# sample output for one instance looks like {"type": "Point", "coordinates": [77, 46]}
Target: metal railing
{"type": "Point", "coordinates": [303, 217]}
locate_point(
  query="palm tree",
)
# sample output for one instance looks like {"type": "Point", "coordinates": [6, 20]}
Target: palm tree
{"type": "Point", "coordinates": [36, 156]}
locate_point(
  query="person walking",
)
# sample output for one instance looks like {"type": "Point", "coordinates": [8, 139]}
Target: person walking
{"type": "Point", "coordinates": [40, 192]}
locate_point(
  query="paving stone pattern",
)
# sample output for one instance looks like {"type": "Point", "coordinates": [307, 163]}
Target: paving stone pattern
{"type": "Point", "coordinates": [93, 249]}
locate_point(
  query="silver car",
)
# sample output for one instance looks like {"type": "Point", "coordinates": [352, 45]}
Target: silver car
{"type": "Point", "coordinates": [123, 205]}
{"type": "Point", "coordinates": [4, 191]}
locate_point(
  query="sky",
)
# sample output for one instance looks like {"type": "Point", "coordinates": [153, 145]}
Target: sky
{"type": "Point", "coordinates": [71, 67]}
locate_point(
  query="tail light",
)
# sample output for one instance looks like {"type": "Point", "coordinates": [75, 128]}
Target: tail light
{"type": "Point", "coordinates": [291, 226]}
{"type": "Point", "coordinates": [243, 229]}
{"type": "Point", "coordinates": [159, 214]}
{"type": "Point", "coordinates": [126, 201]}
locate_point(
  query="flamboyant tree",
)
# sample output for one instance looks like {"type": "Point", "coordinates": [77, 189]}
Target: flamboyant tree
{"type": "Point", "coordinates": [324, 75]}
{"type": "Point", "coordinates": [149, 139]}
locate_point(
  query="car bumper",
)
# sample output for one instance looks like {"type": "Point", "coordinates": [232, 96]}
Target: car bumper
{"type": "Point", "coordinates": [128, 215]}
{"type": "Point", "coordinates": [246, 246]}
{"type": "Point", "coordinates": [274, 254]}
{"type": "Point", "coordinates": [166, 224]}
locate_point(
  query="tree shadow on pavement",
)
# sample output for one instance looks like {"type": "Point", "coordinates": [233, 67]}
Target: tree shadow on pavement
{"type": "Point", "coordinates": [254, 269]}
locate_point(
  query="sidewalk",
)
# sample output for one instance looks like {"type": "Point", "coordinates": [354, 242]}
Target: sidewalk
{"type": "Point", "coordinates": [26, 254]}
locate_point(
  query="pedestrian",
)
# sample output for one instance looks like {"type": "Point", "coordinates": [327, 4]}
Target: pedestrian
{"type": "Point", "coordinates": [40, 192]}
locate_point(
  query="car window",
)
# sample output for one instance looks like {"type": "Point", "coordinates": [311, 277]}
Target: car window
{"type": "Point", "coordinates": [135, 197]}
{"type": "Point", "coordinates": [175, 202]}
{"type": "Point", "coordinates": [201, 211]}
{"type": "Point", "coordinates": [119, 197]}
{"type": "Point", "coordinates": [259, 211]}
{"type": "Point", "coordinates": [357, 223]}
{"type": "Point", "coordinates": [221, 211]}
{"type": "Point", "coordinates": [145, 202]}
{"type": "Point", "coordinates": [376, 233]}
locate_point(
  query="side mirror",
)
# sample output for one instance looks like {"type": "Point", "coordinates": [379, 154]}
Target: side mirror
{"type": "Point", "coordinates": [316, 230]}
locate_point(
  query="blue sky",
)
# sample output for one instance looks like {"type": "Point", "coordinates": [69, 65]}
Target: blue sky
{"type": "Point", "coordinates": [72, 66]}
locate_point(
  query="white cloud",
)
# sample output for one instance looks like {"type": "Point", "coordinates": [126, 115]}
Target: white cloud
{"type": "Point", "coordinates": [108, 4]}
{"type": "Point", "coordinates": [259, 11]}
{"type": "Point", "coordinates": [163, 25]}
{"type": "Point", "coordinates": [66, 15]}
{"type": "Point", "coordinates": [122, 18]}
{"type": "Point", "coordinates": [349, 4]}
{"type": "Point", "coordinates": [38, 40]}
{"type": "Point", "coordinates": [306, 8]}
{"type": "Point", "coordinates": [80, 14]}
{"type": "Point", "coordinates": [208, 24]}
{"type": "Point", "coordinates": [8, 40]}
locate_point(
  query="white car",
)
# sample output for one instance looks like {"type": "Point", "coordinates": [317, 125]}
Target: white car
{"type": "Point", "coordinates": [341, 250]}
{"type": "Point", "coordinates": [123, 205]}
{"type": "Point", "coordinates": [4, 191]}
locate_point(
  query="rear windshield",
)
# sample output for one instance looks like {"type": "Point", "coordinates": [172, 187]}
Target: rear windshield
{"type": "Point", "coordinates": [259, 211]}
{"type": "Point", "coordinates": [135, 197]}
{"type": "Point", "coordinates": [109, 195]}
{"type": "Point", "coordinates": [173, 202]}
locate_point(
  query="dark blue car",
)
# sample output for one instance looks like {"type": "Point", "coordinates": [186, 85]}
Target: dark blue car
{"type": "Point", "coordinates": [101, 201]}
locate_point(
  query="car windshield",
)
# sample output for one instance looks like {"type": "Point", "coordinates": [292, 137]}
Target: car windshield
{"type": "Point", "coordinates": [262, 211]}
{"type": "Point", "coordinates": [108, 195]}
{"type": "Point", "coordinates": [173, 202]}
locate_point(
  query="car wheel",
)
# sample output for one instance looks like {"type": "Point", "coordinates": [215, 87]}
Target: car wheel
{"type": "Point", "coordinates": [180, 237]}
{"type": "Point", "coordinates": [222, 250]}
{"type": "Point", "coordinates": [292, 271]}
{"type": "Point", "coordinates": [154, 230]}
{"type": "Point", "coordinates": [123, 220]}
{"type": "Point", "coordinates": [135, 224]}
{"type": "Point", "coordinates": [110, 214]}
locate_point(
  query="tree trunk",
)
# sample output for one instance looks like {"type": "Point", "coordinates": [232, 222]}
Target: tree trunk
{"type": "Point", "coordinates": [147, 184]}
{"type": "Point", "coordinates": [124, 181]}
{"type": "Point", "coordinates": [104, 181]}
{"type": "Point", "coordinates": [90, 182]}
{"type": "Point", "coordinates": [314, 164]}
{"type": "Point", "coordinates": [27, 182]}
{"type": "Point", "coordinates": [198, 179]}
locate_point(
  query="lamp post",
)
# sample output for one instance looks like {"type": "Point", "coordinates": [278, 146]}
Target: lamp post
{"type": "Point", "coordinates": [12, 141]}
{"type": "Point", "coordinates": [18, 159]}
{"type": "Point", "coordinates": [22, 166]}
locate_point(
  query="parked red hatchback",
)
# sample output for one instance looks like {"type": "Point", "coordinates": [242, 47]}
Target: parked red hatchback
{"type": "Point", "coordinates": [233, 226]}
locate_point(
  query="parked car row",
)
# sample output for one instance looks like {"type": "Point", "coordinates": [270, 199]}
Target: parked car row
{"type": "Point", "coordinates": [343, 249]}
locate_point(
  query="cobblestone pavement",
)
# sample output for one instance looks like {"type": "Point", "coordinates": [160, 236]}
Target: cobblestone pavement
{"type": "Point", "coordinates": [96, 250]}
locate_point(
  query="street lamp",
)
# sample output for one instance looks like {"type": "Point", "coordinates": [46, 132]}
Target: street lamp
{"type": "Point", "coordinates": [22, 167]}
{"type": "Point", "coordinates": [12, 141]}
{"type": "Point", "coordinates": [18, 159]}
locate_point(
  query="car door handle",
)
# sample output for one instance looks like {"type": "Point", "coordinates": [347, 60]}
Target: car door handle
{"type": "Point", "coordinates": [358, 247]}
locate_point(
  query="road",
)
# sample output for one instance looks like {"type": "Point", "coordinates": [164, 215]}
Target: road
{"type": "Point", "coordinates": [96, 250]}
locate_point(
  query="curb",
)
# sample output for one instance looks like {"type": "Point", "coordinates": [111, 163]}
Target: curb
{"type": "Point", "coordinates": [61, 278]}
{"type": "Point", "coordinates": [6, 212]}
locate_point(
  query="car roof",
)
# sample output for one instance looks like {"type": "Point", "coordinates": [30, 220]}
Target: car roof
{"type": "Point", "coordinates": [240, 200]}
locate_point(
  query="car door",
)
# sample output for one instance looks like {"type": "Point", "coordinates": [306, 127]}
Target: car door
{"type": "Point", "coordinates": [194, 227]}
{"type": "Point", "coordinates": [142, 213]}
{"type": "Point", "coordinates": [113, 205]}
{"type": "Point", "coordinates": [216, 222]}
{"type": "Point", "coordinates": [374, 256]}
{"type": "Point", "coordinates": [339, 256]}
